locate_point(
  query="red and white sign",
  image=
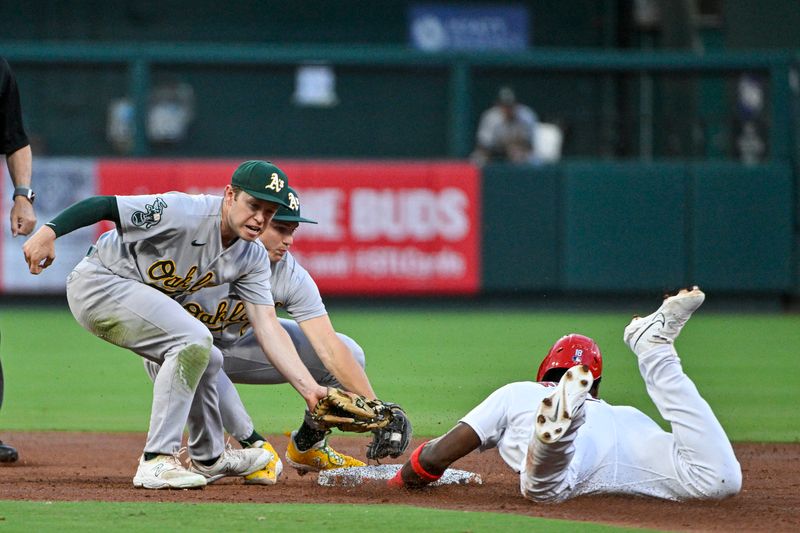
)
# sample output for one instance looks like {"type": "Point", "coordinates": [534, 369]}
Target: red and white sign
{"type": "Point", "coordinates": [385, 227]}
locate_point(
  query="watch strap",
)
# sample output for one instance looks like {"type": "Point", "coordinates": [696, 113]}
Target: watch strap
{"type": "Point", "coordinates": [24, 191]}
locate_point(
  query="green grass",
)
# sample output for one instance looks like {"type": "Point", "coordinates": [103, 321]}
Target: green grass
{"type": "Point", "coordinates": [148, 517]}
{"type": "Point", "coordinates": [438, 365]}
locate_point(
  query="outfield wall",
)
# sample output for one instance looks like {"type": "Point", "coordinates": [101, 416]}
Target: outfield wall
{"type": "Point", "coordinates": [608, 226]}
{"type": "Point", "coordinates": [391, 228]}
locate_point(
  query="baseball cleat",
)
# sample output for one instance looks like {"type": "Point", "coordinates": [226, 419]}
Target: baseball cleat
{"type": "Point", "coordinates": [8, 454]}
{"type": "Point", "coordinates": [233, 463]}
{"type": "Point", "coordinates": [317, 458]}
{"type": "Point", "coordinates": [269, 474]}
{"type": "Point", "coordinates": [663, 326]}
{"type": "Point", "coordinates": [556, 412]}
{"type": "Point", "coordinates": [166, 472]}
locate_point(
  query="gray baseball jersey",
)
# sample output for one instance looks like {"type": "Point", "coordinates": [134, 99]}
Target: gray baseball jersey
{"type": "Point", "coordinates": [222, 312]}
{"type": "Point", "coordinates": [221, 309]}
{"type": "Point", "coordinates": [173, 242]}
{"type": "Point", "coordinates": [125, 292]}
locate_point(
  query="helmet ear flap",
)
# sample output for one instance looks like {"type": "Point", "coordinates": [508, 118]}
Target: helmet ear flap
{"type": "Point", "coordinates": [570, 350]}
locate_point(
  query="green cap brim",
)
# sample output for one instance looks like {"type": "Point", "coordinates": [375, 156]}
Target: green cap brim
{"type": "Point", "coordinates": [266, 196]}
{"type": "Point", "coordinates": [293, 218]}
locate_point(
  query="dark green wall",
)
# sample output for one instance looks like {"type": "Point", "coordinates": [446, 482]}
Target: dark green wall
{"type": "Point", "coordinates": [762, 24]}
{"type": "Point", "coordinates": [624, 226]}
{"type": "Point", "coordinates": [522, 248]}
{"type": "Point", "coordinates": [743, 227]}
{"type": "Point", "coordinates": [381, 113]}
{"type": "Point", "coordinates": [627, 227]}
{"type": "Point", "coordinates": [552, 22]}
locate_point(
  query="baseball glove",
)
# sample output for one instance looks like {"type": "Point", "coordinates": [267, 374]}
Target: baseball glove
{"type": "Point", "coordinates": [393, 438]}
{"type": "Point", "coordinates": [349, 412]}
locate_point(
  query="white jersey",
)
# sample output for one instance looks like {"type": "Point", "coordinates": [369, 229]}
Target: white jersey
{"type": "Point", "coordinates": [292, 288]}
{"type": "Point", "coordinates": [618, 449]}
{"type": "Point", "coordinates": [173, 242]}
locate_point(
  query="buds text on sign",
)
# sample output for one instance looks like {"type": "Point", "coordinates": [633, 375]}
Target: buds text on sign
{"type": "Point", "coordinates": [392, 214]}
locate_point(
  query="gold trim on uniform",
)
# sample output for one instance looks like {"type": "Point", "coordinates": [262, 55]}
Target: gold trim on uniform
{"type": "Point", "coordinates": [224, 317]}
{"type": "Point", "coordinates": [163, 271]}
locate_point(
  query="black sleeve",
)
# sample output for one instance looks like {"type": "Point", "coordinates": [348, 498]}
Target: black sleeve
{"type": "Point", "coordinates": [12, 133]}
{"type": "Point", "coordinates": [85, 213]}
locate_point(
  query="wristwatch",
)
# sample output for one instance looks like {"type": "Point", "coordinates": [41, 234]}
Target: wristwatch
{"type": "Point", "coordinates": [26, 192]}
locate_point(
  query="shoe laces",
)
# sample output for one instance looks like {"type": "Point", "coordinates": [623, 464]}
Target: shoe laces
{"type": "Point", "coordinates": [175, 458]}
{"type": "Point", "coordinates": [332, 454]}
{"type": "Point", "coordinates": [234, 454]}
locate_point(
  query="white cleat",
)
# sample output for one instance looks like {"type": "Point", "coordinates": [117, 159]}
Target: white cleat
{"type": "Point", "coordinates": [663, 326]}
{"type": "Point", "coordinates": [557, 410]}
{"type": "Point", "coordinates": [233, 463]}
{"type": "Point", "coordinates": [166, 472]}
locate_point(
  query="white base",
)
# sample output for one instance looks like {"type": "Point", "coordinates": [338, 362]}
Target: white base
{"type": "Point", "coordinates": [356, 475]}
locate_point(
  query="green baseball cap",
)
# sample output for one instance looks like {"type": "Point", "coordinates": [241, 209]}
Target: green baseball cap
{"type": "Point", "coordinates": [263, 180]}
{"type": "Point", "coordinates": [291, 213]}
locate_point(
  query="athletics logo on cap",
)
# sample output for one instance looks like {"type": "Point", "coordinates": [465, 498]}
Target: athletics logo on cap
{"type": "Point", "coordinates": [294, 202]}
{"type": "Point", "coordinates": [291, 213]}
{"type": "Point", "coordinates": [275, 183]}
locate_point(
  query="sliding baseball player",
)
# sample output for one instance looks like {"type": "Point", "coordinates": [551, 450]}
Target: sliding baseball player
{"type": "Point", "coordinates": [564, 443]}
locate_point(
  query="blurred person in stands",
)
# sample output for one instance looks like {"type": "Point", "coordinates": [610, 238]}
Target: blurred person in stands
{"type": "Point", "coordinates": [506, 132]}
{"type": "Point", "coordinates": [17, 150]}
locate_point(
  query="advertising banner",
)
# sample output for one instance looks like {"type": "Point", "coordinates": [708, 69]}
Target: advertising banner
{"type": "Point", "coordinates": [435, 27]}
{"type": "Point", "coordinates": [59, 183]}
{"type": "Point", "coordinates": [385, 228]}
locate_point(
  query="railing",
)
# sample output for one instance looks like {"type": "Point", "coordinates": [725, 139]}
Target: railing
{"type": "Point", "coordinates": [140, 58]}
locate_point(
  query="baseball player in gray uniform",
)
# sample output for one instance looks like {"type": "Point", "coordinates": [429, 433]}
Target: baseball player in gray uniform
{"type": "Point", "coordinates": [333, 359]}
{"type": "Point", "coordinates": [166, 246]}
{"type": "Point", "coordinates": [565, 443]}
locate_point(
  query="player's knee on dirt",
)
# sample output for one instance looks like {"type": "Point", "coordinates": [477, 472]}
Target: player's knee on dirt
{"type": "Point", "coordinates": [725, 481]}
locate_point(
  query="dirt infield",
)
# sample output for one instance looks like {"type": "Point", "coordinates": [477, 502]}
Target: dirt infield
{"type": "Point", "coordinates": [83, 466]}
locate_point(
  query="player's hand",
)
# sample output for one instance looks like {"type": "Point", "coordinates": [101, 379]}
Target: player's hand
{"type": "Point", "coordinates": [23, 219]}
{"type": "Point", "coordinates": [40, 250]}
{"type": "Point", "coordinates": [314, 396]}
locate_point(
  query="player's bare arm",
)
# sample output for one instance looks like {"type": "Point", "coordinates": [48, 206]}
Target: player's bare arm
{"type": "Point", "coordinates": [278, 347]}
{"type": "Point", "coordinates": [336, 356]}
{"type": "Point", "coordinates": [431, 459]}
{"type": "Point", "coordinates": [23, 218]}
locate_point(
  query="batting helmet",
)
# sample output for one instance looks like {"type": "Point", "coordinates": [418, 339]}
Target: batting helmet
{"type": "Point", "coordinates": [571, 350]}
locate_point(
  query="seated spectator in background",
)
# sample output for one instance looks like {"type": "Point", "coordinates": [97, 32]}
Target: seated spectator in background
{"type": "Point", "coordinates": [506, 132]}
